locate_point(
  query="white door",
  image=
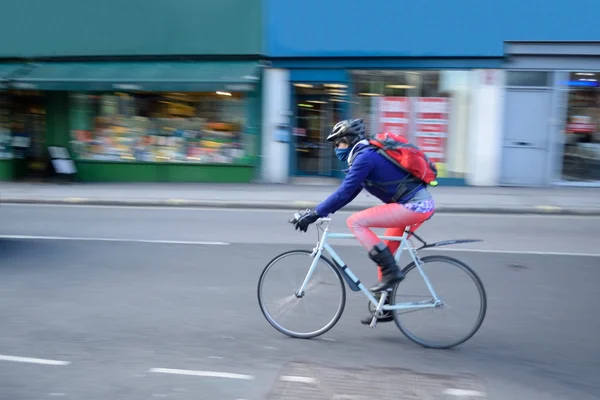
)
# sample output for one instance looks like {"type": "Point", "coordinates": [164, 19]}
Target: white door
{"type": "Point", "coordinates": [525, 149]}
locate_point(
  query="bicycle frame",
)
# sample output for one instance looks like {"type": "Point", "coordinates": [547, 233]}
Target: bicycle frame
{"type": "Point", "coordinates": [323, 245]}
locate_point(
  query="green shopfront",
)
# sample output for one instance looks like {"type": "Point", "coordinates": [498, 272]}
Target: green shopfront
{"type": "Point", "coordinates": [151, 121]}
{"type": "Point", "coordinates": [186, 109]}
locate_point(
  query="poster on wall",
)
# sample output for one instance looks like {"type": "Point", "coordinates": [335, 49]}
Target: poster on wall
{"type": "Point", "coordinates": [431, 116]}
{"type": "Point", "coordinates": [394, 115]}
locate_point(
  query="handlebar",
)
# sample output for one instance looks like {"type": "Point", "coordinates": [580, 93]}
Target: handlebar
{"type": "Point", "coordinates": [298, 215]}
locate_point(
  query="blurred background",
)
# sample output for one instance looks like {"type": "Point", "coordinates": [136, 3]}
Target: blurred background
{"type": "Point", "coordinates": [242, 91]}
{"type": "Point", "coordinates": [190, 130]}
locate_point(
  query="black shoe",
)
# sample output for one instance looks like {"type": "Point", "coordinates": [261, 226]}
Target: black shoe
{"type": "Point", "coordinates": [382, 256]}
{"type": "Point", "coordinates": [387, 317]}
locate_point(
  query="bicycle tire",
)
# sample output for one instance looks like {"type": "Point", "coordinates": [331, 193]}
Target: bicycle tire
{"type": "Point", "coordinates": [478, 284]}
{"type": "Point", "coordinates": [278, 327]}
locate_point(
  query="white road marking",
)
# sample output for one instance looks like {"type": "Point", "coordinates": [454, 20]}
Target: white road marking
{"type": "Point", "coordinates": [209, 243]}
{"type": "Point", "coordinates": [297, 379]}
{"type": "Point", "coordinates": [464, 393]}
{"type": "Point", "coordinates": [124, 240]}
{"type": "Point", "coordinates": [33, 360]}
{"type": "Point", "coordinates": [215, 358]}
{"type": "Point", "coordinates": [208, 374]}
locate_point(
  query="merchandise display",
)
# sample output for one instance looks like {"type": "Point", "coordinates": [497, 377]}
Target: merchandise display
{"type": "Point", "coordinates": [117, 135]}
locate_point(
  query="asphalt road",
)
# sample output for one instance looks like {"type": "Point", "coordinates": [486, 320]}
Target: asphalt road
{"type": "Point", "coordinates": [161, 303]}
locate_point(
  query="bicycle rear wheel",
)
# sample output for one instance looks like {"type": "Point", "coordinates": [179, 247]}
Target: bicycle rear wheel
{"type": "Point", "coordinates": [457, 286]}
{"type": "Point", "coordinates": [284, 275]}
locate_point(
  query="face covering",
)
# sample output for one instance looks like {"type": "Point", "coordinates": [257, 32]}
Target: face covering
{"type": "Point", "coordinates": [342, 154]}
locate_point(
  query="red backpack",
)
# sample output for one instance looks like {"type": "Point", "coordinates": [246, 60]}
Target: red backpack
{"type": "Point", "coordinates": [405, 155]}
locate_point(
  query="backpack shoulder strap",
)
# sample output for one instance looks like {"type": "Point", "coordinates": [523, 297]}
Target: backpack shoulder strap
{"type": "Point", "coordinates": [355, 154]}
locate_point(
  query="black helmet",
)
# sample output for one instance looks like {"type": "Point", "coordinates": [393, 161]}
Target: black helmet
{"type": "Point", "coordinates": [352, 129]}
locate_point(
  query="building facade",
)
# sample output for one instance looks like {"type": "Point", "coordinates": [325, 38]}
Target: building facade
{"type": "Point", "coordinates": [552, 114]}
{"type": "Point", "coordinates": [461, 79]}
{"type": "Point", "coordinates": [135, 91]}
{"type": "Point", "coordinates": [243, 90]}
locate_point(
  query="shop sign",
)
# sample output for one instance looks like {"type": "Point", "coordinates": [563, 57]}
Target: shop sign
{"type": "Point", "coordinates": [122, 86]}
{"type": "Point", "coordinates": [23, 85]}
{"type": "Point", "coordinates": [239, 88]}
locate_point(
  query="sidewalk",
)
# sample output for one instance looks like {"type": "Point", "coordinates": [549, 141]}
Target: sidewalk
{"type": "Point", "coordinates": [577, 201]}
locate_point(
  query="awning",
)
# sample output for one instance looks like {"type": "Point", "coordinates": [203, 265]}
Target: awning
{"type": "Point", "coordinates": [7, 71]}
{"type": "Point", "coordinates": [180, 76]}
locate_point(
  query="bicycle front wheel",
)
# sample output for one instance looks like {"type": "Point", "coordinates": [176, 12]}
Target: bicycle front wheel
{"type": "Point", "coordinates": [459, 310]}
{"type": "Point", "coordinates": [320, 306]}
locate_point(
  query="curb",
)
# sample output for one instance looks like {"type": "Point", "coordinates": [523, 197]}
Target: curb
{"type": "Point", "coordinates": [294, 206]}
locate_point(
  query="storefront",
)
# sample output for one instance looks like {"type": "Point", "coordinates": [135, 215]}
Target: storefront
{"type": "Point", "coordinates": [159, 91]}
{"type": "Point", "coordinates": [428, 107]}
{"type": "Point", "coordinates": [6, 150]}
{"type": "Point", "coordinates": [581, 152]}
{"type": "Point", "coordinates": [552, 117]}
{"type": "Point", "coordinates": [146, 121]}
{"type": "Point", "coordinates": [432, 107]}
{"type": "Point", "coordinates": [438, 84]}
{"type": "Point", "coordinates": [450, 87]}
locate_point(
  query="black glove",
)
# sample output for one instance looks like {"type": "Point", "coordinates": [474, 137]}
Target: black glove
{"type": "Point", "coordinates": [306, 219]}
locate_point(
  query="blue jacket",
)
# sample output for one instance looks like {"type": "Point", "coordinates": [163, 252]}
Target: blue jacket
{"type": "Point", "coordinates": [369, 166]}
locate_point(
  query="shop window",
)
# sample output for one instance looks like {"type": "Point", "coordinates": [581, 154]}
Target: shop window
{"type": "Point", "coordinates": [528, 78]}
{"type": "Point", "coordinates": [581, 156]}
{"type": "Point", "coordinates": [160, 127]}
{"type": "Point", "coordinates": [429, 107]}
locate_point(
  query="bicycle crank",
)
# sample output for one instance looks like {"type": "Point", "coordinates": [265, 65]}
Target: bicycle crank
{"type": "Point", "coordinates": [373, 323]}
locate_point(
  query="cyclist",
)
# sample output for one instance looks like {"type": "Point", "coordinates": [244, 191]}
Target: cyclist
{"type": "Point", "coordinates": [408, 203]}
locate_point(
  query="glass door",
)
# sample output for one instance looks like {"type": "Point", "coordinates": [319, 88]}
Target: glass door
{"type": "Point", "coordinates": [581, 154]}
{"type": "Point", "coordinates": [28, 127]}
{"type": "Point", "coordinates": [317, 111]}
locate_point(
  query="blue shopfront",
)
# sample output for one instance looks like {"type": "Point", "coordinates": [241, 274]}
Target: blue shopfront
{"type": "Point", "coordinates": [433, 71]}
{"type": "Point", "coordinates": [321, 95]}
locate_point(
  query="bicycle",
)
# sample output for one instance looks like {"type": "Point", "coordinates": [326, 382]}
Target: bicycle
{"type": "Point", "coordinates": [376, 306]}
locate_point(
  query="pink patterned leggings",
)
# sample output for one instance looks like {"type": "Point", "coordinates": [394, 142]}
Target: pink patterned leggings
{"type": "Point", "coordinates": [395, 217]}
